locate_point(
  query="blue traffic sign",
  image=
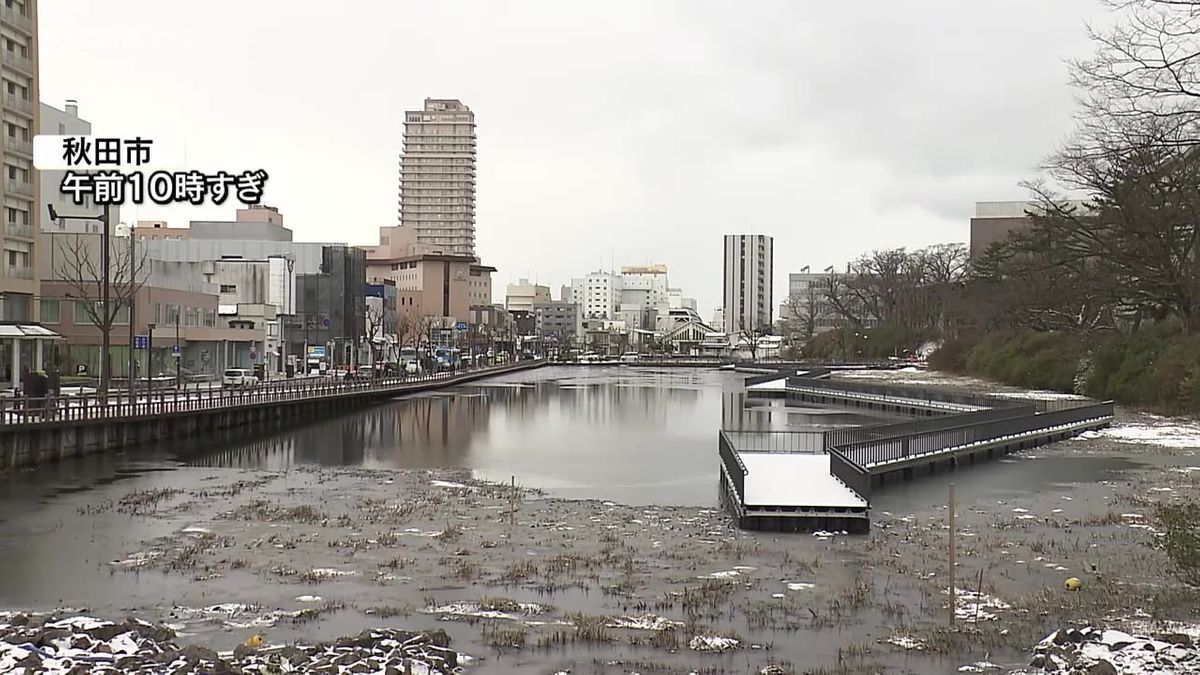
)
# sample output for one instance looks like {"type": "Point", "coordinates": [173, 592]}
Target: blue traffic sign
{"type": "Point", "coordinates": [141, 341]}
{"type": "Point", "coordinates": [461, 325]}
{"type": "Point", "coordinates": [174, 349]}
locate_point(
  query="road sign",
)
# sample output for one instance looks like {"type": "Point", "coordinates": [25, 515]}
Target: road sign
{"type": "Point", "coordinates": [141, 341]}
{"type": "Point", "coordinates": [253, 355]}
{"type": "Point", "coordinates": [316, 352]}
{"type": "Point", "coordinates": [175, 350]}
{"type": "Point", "coordinates": [325, 323]}
{"type": "Point", "coordinates": [461, 325]}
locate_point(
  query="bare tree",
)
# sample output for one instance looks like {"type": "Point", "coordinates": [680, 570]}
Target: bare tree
{"type": "Point", "coordinates": [408, 329]}
{"type": "Point", "coordinates": [77, 265]}
{"type": "Point", "coordinates": [373, 324]}
{"type": "Point", "coordinates": [805, 312]}
{"type": "Point", "coordinates": [1146, 69]}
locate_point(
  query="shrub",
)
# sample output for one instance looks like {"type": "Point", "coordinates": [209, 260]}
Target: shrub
{"type": "Point", "coordinates": [1181, 539]}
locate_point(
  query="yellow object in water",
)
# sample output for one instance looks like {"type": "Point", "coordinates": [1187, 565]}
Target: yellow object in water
{"type": "Point", "coordinates": [255, 641]}
{"type": "Point", "coordinates": [1072, 584]}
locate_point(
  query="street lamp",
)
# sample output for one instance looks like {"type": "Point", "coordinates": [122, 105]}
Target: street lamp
{"type": "Point", "coordinates": [105, 366]}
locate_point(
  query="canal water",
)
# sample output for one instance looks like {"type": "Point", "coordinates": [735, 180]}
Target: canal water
{"type": "Point", "coordinates": [629, 435]}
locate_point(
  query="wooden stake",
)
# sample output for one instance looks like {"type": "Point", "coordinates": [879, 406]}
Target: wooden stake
{"type": "Point", "coordinates": [953, 591]}
{"type": "Point", "coordinates": [512, 502]}
{"type": "Point", "coordinates": [978, 595]}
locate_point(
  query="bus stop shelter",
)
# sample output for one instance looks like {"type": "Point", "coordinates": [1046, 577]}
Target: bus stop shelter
{"type": "Point", "coordinates": [23, 347]}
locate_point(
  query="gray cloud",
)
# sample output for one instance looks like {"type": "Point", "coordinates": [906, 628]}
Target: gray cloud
{"type": "Point", "coordinates": [629, 130]}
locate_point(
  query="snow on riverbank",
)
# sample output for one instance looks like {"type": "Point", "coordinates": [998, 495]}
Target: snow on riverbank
{"type": "Point", "coordinates": [33, 643]}
{"type": "Point", "coordinates": [1164, 431]}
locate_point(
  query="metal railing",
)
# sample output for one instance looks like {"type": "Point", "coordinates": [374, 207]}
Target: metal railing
{"type": "Point", "coordinates": [854, 476]}
{"type": "Point", "coordinates": [25, 411]}
{"type": "Point", "coordinates": [17, 61]}
{"type": "Point", "coordinates": [18, 187]}
{"type": "Point", "coordinates": [18, 145]}
{"type": "Point", "coordinates": [16, 18]}
{"type": "Point", "coordinates": [12, 101]}
{"type": "Point", "coordinates": [733, 465]}
{"type": "Point", "coordinates": [900, 447]}
{"type": "Point", "coordinates": [777, 441]}
{"type": "Point", "coordinates": [889, 392]}
{"type": "Point", "coordinates": [847, 435]}
{"type": "Point", "coordinates": [18, 272]}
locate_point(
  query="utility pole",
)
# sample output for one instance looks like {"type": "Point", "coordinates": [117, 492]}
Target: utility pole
{"type": "Point", "coordinates": [105, 263]}
{"type": "Point", "coordinates": [178, 352]}
{"type": "Point", "coordinates": [132, 313]}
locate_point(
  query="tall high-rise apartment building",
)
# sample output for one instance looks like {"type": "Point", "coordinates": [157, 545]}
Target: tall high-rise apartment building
{"type": "Point", "coordinates": [19, 190]}
{"type": "Point", "coordinates": [749, 266]}
{"type": "Point", "coordinates": [437, 177]}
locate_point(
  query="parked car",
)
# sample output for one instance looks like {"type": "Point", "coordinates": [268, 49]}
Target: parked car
{"type": "Point", "coordinates": [629, 357]}
{"type": "Point", "coordinates": [239, 377]}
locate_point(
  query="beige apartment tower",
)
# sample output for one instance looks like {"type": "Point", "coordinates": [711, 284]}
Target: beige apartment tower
{"type": "Point", "coordinates": [437, 177]}
{"type": "Point", "coordinates": [19, 189]}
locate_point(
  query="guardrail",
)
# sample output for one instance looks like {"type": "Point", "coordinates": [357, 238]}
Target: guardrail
{"type": "Point", "coordinates": [887, 391]}
{"type": "Point", "coordinates": [733, 465]}
{"type": "Point", "coordinates": [23, 412]}
{"type": "Point", "coordinates": [777, 441]}
{"type": "Point", "coordinates": [848, 435]}
{"type": "Point", "coordinates": [854, 476]}
{"type": "Point", "coordinates": [899, 447]}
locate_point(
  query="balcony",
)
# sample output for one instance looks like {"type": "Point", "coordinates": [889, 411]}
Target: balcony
{"type": "Point", "coordinates": [18, 188]}
{"type": "Point", "coordinates": [14, 102]}
{"type": "Point", "coordinates": [19, 146]}
{"type": "Point", "coordinates": [15, 60]}
{"type": "Point", "coordinates": [19, 230]}
{"type": "Point", "coordinates": [12, 16]}
{"type": "Point", "coordinates": [17, 272]}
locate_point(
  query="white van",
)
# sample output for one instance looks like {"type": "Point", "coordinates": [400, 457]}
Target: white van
{"type": "Point", "coordinates": [239, 377]}
{"type": "Point", "coordinates": [629, 357]}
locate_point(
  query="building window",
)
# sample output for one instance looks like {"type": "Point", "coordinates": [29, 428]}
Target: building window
{"type": "Point", "coordinates": [84, 318]}
{"type": "Point", "coordinates": [51, 311]}
{"type": "Point", "coordinates": [157, 312]}
{"type": "Point", "coordinates": [228, 288]}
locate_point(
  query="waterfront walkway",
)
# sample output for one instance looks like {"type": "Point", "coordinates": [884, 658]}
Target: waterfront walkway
{"type": "Point", "coordinates": [789, 480]}
{"type": "Point", "coordinates": [38, 431]}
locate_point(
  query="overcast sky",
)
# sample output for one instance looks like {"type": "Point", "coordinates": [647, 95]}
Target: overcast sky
{"type": "Point", "coordinates": [610, 133]}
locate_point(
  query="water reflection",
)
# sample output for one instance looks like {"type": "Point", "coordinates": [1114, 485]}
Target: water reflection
{"type": "Point", "coordinates": [626, 434]}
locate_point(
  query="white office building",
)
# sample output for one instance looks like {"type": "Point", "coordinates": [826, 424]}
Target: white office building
{"type": "Point", "coordinates": [748, 273]}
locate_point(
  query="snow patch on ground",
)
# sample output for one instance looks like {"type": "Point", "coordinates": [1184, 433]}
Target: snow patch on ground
{"type": "Point", "coordinates": [1174, 434]}
{"type": "Point", "coordinates": [477, 610]}
{"type": "Point", "coordinates": [712, 643]}
{"type": "Point", "coordinates": [644, 622]}
{"type": "Point", "coordinates": [970, 606]}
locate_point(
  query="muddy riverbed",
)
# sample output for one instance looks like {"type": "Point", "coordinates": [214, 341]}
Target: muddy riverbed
{"type": "Point", "coordinates": [525, 582]}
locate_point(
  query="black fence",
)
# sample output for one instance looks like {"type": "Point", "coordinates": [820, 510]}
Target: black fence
{"type": "Point", "coordinates": [842, 437]}
{"type": "Point", "coordinates": [767, 377]}
{"type": "Point", "coordinates": [899, 447]}
{"type": "Point", "coordinates": [891, 391]}
{"type": "Point", "coordinates": [777, 441]}
{"type": "Point", "coordinates": [26, 411]}
{"type": "Point", "coordinates": [854, 476]}
{"type": "Point", "coordinates": [733, 465]}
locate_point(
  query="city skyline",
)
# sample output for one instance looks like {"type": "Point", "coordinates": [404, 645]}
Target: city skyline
{"type": "Point", "coordinates": [714, 126]}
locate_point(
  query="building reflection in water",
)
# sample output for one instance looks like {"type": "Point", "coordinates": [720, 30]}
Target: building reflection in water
{"type": "Point", "coordinates": [635, 435]}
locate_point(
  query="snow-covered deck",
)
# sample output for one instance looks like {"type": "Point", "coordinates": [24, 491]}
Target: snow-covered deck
{"type": "Point", "coordinates": [794, 479]}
